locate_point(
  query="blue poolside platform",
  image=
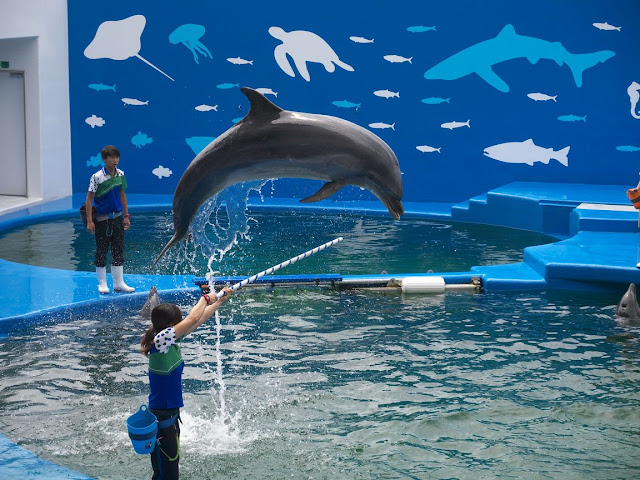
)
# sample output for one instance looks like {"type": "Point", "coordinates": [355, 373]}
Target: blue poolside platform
{"type": "Point", "coordinates": [597, 230]}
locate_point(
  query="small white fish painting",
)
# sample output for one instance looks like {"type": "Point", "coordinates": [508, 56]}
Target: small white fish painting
{"type": "Point", "coordinates": [428, 149]}
{"type": "Point", "coordinates": [541, 97]}
{"type": "Point", "coordinates": [526, 152]}
{"type": "Point", "coordinates": [239, 61]}
{"type": "Point", "coordinates": [397, 59]}
{"type": "Point", "coordinates": [360, 40]}
{"type": "Point", "coordinates": [134, 101]}
{"type": "Point", "coordinates": [452, 125]}
{"type": "Point", "coordinates": [206, 108]}
{"type": "Point", "coordinates": [161, 172]}
{"type": "Point", "coordinates": [606, 26]}
{"type": "Point", "coordinates": [94, 121]}
{"type": "Point", "coordinates": [383, 125]}
{"type": "Point", "coordinates": [267, 91]}
{"type": "Point", "coordinates": [386, 94]}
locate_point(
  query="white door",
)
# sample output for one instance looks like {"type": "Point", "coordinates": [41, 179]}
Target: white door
{"type": "Point", "coordinates": [13, 156]}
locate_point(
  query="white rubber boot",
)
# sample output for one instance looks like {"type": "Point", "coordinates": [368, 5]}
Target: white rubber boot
{"type": "Point", "coordinates": [102, 279]}
{"type": "Point", "coordinates": [118, 281]}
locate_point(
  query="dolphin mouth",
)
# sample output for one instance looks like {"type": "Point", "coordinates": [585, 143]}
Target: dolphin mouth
{"type": "Point", "coordinates": [394, 205]}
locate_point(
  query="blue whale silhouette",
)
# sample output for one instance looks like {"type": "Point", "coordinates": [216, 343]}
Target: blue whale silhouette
{"type": "Point", "coordinates": [508, 45]}
{"type": "Point", "coordinates": [274, 143]}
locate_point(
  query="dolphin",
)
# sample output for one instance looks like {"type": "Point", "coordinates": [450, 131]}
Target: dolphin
{"type": "Point", "coordinates": [628, 307]}
{"type": "Point", "coordinates": [153, 300]}
{"type": "Point", "coordinates": [274, 143]}
{"type": "Point", "coordinates": [508, 45]}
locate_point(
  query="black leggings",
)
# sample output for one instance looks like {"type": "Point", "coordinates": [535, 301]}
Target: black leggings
{"type": "Point", "coordinates": [168, 450]}
{"type": "Point", "coordinates": [110, 233]}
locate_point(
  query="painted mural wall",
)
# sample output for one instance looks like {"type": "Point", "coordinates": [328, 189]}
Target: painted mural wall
{"type": "Point", "coordinates": [470, 95]}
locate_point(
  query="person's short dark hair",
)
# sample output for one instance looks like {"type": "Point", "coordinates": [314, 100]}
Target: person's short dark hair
{"type": "Point", "coordinates": [110, 151]}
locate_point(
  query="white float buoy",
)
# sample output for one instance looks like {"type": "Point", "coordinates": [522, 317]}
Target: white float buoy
{"type": "Point", "coordinates": [423, 285]}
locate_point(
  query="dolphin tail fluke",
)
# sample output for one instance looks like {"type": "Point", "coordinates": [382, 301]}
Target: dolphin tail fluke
{"type": "Point", "coordinates": [563, 156]}
{"type": "Point", "coordinates": [578, 63]}
{"type": "Point", "coordinates": [170, 244]}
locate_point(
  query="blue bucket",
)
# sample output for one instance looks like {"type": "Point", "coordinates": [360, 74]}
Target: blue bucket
{"type": "Point", "coordinates": [143, 430]}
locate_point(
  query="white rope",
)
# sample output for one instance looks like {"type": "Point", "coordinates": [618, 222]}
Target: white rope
{"type": "Point", "coordinates": [269, 271]}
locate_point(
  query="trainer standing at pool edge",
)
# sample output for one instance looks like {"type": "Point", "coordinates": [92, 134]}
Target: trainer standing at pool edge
{"type": "Point", "coordinates": [160, 344]}
{"type": "Point", "coordinates": [106, 195]}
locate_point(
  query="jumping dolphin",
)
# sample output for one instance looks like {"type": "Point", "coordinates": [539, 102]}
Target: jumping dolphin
{"type": "Point", "coordinates": [508, 45]}
{"type": "Point", "coordinates": [274, 143]}
{"type": "Point", "coordinates": [153, 300]}
{"type": "Point", "coordinates": [628, 307]}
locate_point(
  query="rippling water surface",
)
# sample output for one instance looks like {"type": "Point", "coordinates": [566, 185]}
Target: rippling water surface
{"type": "Point", "coordinates": [320, 384]}
{"type": "Point", "coordinates": [372, 244]}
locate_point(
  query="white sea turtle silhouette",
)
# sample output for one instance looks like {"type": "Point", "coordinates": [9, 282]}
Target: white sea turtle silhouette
{"type": "Point", "coordinates": [303, 46]}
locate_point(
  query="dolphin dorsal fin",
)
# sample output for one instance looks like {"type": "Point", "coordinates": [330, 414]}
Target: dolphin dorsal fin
{"type": "Point", "coordinates": [507, 31]}
{"type": "Point", "coordinates": [259, 104]}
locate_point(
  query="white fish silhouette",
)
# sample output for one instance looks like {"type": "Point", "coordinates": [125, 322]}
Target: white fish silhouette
{"type": "Point", "coordinates": [95, 121]}
{"type": "Point", "coordinates": [382, 125]}
{"type": "Point", "coordinates": [452, 125]}
{"type": "Point", "coordinates": [634, 96]}
{"type": "Point", "coordinates": [397, 59]}
{"type": "Point", "coordinates": [541, 97]}
{"type": "Point", "coordinates": [526, 152]}
{"type": "Point", "coordinates": [133, 101]}
{"type": "Point", "coordinates": [161, 171]}
{"type": "Point", "coordinates": [266, 91]}
{"type": "Point", "coordinates": [206, 108]}
{"type": "Point", "coordinates": [360, 40]}
{"type": "Point", "coordinates": [606, 26]}
{"type": "Point", "coordinates": [240, 61]}
{"type": "Point", "coordinates": [386, 94]}
{"type": "Point", "coordinates": [303, 47]}
{"type": "Point", "coordinates": [428, 149]}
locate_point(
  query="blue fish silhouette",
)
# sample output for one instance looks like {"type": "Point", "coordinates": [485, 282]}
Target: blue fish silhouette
{"type": "Point", "coordinates": [346, 104]}
{"type": "Point", "coordinates": [508, 45]}
{"type": "Point", "coordinates": [226, 86]}
{"type": "Point", "coordinates": [95, 161]}
{"type": "Point", "coordinates": [141, 139]}
{"type": "Point", "coordinates": [572, 118]}
{"type": "Point", "coordinates": [420, 29]}
{"type": "Point", "coordinates": [435, 100]}
{"type": "Point", "coordinates": [100, 86]}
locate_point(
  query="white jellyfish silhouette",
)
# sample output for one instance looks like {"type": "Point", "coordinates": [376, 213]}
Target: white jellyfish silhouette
{"type": "Point", "coordinates": [303, 47]}
{"type": "Point", "coordinates": [119, 40]}
{"type": "Point", "coordinates": [189, 35]}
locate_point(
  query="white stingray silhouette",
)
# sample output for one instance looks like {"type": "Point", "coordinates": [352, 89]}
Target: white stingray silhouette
{"type": "Point", "coordinates": [119, 40]}
{"type": "Point", "coordinates": [303, 47]}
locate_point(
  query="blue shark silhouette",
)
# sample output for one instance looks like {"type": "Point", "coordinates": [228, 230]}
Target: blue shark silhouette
{"type": "Point", "coordinates": [508, 45]}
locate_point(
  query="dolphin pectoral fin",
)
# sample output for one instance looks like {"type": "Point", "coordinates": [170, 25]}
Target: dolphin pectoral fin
{"type": "Point", "coordinates": [489, 76]}
{"type": "Point", "coordinates": [325, 191]}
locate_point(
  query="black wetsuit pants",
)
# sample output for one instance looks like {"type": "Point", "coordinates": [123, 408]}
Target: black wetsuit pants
{"type": "Point", "coordinates": [166, 456]}
{"type": "Point", "coordinates": [110, 233]}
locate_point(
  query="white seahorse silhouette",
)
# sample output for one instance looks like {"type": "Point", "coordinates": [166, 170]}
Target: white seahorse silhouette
{"type": "Point", "coordinates": [634, 96]}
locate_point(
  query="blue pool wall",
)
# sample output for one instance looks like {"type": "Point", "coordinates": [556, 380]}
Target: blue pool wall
{"type": "Point", "coordinates": [497, 57]}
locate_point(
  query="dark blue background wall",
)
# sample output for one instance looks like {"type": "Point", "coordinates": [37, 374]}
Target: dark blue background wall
{"type": "Point", "coordinates": [601, 108]}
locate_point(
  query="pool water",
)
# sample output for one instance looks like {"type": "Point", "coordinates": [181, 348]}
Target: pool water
{"type": "Point", "coordinates": [324, 384]}
{"type": "Point", "coordinates": [372, 245]}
